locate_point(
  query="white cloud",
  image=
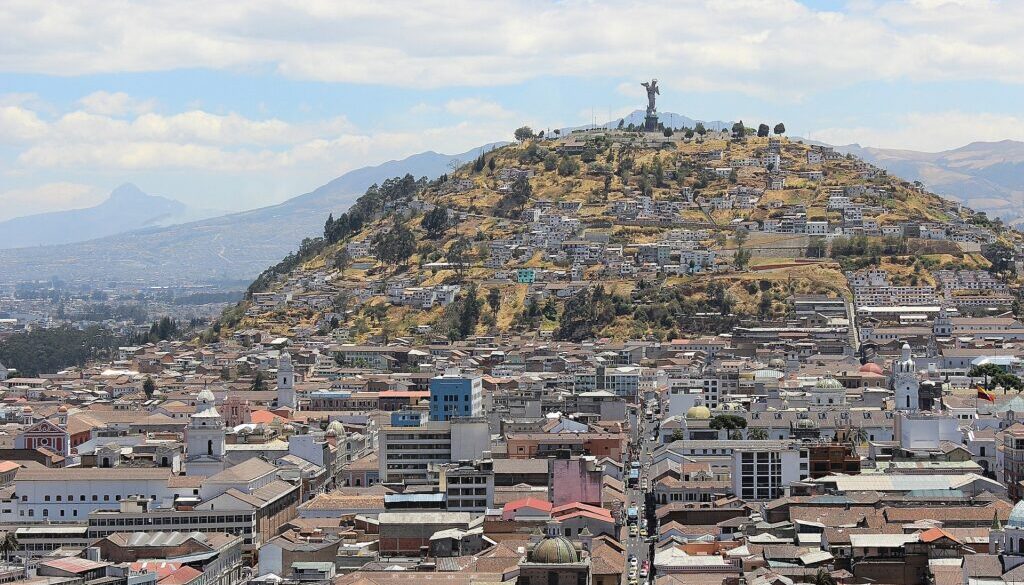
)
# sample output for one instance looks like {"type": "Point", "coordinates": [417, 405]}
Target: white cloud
{"type": "Point", "coordinates": [477, 108]}
{"type": "Point", "coordinates": [930, 132]}
{"type": "Point", "coordinates": [48, 197]}
{"type": "Point", "coordinates": [82, 140]}
{"type": "Point", "coordinates": [118, 103]}
{"type": "Point", "coordinates": [781, 49]}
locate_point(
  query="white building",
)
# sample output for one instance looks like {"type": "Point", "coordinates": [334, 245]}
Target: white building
{"type": "Point", "coordinates": [285, 382]}
{"type": "Point", "coordinates": [204, 438]}
{"type": "Point", "coordinates": [905, 383]}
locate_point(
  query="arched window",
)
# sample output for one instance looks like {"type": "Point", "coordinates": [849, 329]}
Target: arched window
{"type": "Point", "coordinates": [908, 401]}
{"type": "Point", "coordinates": [209, 447]}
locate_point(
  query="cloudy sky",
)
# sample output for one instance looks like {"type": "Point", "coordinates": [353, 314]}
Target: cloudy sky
{"type": "Point", "coordinates": [235, 107]}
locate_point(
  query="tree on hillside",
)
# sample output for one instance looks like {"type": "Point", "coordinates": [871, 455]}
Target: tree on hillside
{"type": "Point", "coordinates": [491, 164]}
{"type": "Point", "coordinates": [780, 128]}
{"type": "Point", "coordinates": [458, 255]}
{"type": "Point", "coordinates": [568, 166]}
{"type": "Point", "coordinates": [523, 133]}
{"type": "Point", "coordinates": [436, 221]}
{"type": "Point", "coordinates": [512, 203]}
{"type": "Point", "coordinates": [550, 161]}
{"type": "Point", "coordinates": [395, 245]}
{"type": "Point", "coordinates": [739, 130]}
{"type": "Point", "coordinates": [478, 164]}
{"type": "Point", "coordinates": [741, 236]}
{"type": "Point", "coordinates": [585, 314]}
{"type": "Point", "coordinates": [700, 129]}
{"type": "Point", "coordinates": [342, 261]}
{"type": "Point", "coordinates": [762, 130]}
{"type": "Point", "coordinates": [667, 132]}
{"type": "Point", "coordinates": [494, 299]}
{"type": "Point", "coordinates": [742, 258]}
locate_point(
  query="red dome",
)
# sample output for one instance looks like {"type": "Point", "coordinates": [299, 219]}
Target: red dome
{"type": "Point", "coordinates": [871, 368]}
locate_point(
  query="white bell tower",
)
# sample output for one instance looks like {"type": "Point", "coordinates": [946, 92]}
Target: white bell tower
{"type": "Point", "coordinates": [285, 381]}
{"type": "Point", "coordinates": [204, 438]}
{"type": "Point", "coordinates": [904, 382]}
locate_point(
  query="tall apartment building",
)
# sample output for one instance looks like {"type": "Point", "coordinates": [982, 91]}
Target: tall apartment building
{"type": "Point", "coordinates": [468, 485]}
{"type": "Point", "coordinates": [762, 472]}
{"type": "Point", "coordinates": [410, 453]}
{"type": "Point", "coordinates": [454, 395]}
{"type": "Point", "coordinates": [1013, 462]}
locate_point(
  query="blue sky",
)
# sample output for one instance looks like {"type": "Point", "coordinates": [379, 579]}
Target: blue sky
{"type": "Point", "coordinates": [239, 106]}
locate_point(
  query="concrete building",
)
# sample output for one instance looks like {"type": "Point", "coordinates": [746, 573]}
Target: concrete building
{"type": "Point", "coordinates": [575, 479]}
{"type": "Point", "coordinates": [468, 485]}
{"type": "Point", "coordinates": [455, 395]}
{"type": "Point", "coordinates": [764, 472]}
{"type": "Point", "coordinates": [408, 454]}
{"type": "Point", "coordinates": [204, 438]}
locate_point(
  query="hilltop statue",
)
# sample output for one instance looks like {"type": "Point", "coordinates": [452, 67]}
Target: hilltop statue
{"type": "Point", "coordinates": [652, 90]}
{"type": "Point", "coordinates": [651, 119]}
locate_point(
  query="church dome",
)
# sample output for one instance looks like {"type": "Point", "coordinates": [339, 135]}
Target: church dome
{"type": "Point", "coordinates": [555, 550]}
{"type": "Point", "coordinates": [871, 368]}
{"type": "Point", "coordinates": [62, 408]}
{"type": "Point", "coordinates": [205, 396]}
{"type": "Point", "coordinates": [698, 413]}
{"type": "Point", "coordinates": [777, 363]}
{"type": "Point", "coordinates": [828, 384]}
{"type": "Point", "coordinates": [806, 424]}
{"type": "Point", "coordinates": [336, 427]}
{"type": "Point", "coordinates": [1016, 519]}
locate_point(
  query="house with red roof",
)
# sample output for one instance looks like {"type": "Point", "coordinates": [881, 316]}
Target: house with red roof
{"type": "Point", "coordinates": [527, 509]}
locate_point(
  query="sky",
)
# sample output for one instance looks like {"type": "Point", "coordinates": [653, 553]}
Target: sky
{"type": "Point", "coordinates": [237, 105]}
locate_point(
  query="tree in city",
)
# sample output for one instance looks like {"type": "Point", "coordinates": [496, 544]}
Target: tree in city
{"type": "Point", "coordinates": [757, 434]}
{"type": "Point", "coordinates": [823, 577]}
{"type": "Point", "coordinates": [728, 422]}
{"type": "Point", "coordinates": [762, 130]}
{"type": "Point", "coordinates": [259, 383]}
{"type": "Point", "coordinates": [149, 387]}
{"type": "Point", "coordinates": [9, 544]}
{"type": "Point", "coordinates": [700, 129]}
{"type": "Point", "coordinates": [996, 376]}
{"type": "Point", "coordinates": [780, 129]}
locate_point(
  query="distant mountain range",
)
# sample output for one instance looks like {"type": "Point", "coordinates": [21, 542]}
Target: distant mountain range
{"type": "Point", "coordinates": [233, 247]}
{"type": "Point", "coordinates": [127, 208]}
{"type": "Point", "coordinates": [986, 176]}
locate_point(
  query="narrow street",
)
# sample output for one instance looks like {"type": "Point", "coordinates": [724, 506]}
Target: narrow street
{"type": "Point", "coordinates": [637, 544]}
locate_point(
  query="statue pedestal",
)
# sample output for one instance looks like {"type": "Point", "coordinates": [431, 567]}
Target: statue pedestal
{"type": "Point", "coordinates": [651, 122]}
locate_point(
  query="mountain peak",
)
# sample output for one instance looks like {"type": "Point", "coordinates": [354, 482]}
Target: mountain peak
{"type": "Point", "coordinates": [127, 192]}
